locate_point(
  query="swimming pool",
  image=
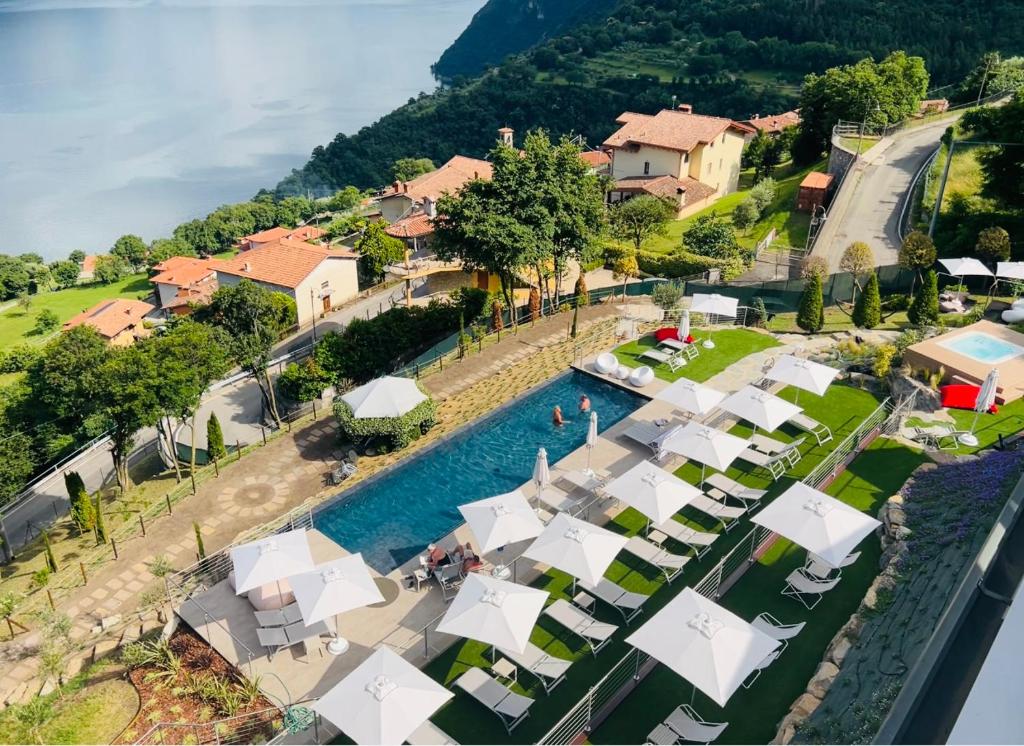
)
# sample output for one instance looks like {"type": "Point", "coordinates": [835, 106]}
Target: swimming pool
{"type": "Point", "coordinates": [391, 518]}
{"type": "Point", "coordinates": [983, 347]}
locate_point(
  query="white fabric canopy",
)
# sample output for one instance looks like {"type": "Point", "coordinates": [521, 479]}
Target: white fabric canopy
{"type": "Point", "coordinates": [803, 373]}
{"type": "Point", "coordinates": [760, 407]}
{"type": "Point", "coordinates": [541, 472]}
{"type": "Point", "coordinates": [579, 548]}
{"type": "Point", "coordinates": [384, 397]}
{"type": "Point", "coordinates": [591, 437]}
{"type": "Point", "coordinates": [1010, 270]}
{"type": "Point", "coordinates": [500, 520]}
{"type": "Point", "coordinates": [684, 325]}
{"type": "Point", "coordinates": [705, 445]}
{"type": "Point", "coordinates": [495, 612]}
{"type": "Point", "coordinates": [383, 700]}
{"type": "Point", "coordinates": [719, 305]}
{"type": "Point", "coordinates": [334, 588]}
{"type": "Point", "coordinates": [707, 645]}
{"type": "Point", "coordinates": [987, 394]}
{"type": "Point", "coordinates": [965, 266]}
{"type": "Point", "coordinates": [656, 493]}
{"type": "Point", "coordinates": [271, 559]}
{"type": "Point", "coordinates": [819, 523]}
{"type": "Point", "coordinates": [690, 396]}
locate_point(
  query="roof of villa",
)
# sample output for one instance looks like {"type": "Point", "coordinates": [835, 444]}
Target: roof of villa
{"type": "Point", "coordinates": [285, 262]}
{"type": "Point", "coordinates": [668, 187]}
{"type": "Point", "coordinates": [302, 233]}
{"type": "Point", "coordinates": [448, 178]}
{"type": "Point", "coordinates": [111, 317]}
{"type": "Point", "coordinates": [182, 271]}
{"type": "Point", "coordinates": [670, 129]}
{"type": "Point", "coordinates": [774, 123]}
{"type": "Point", "coordinates": [414, 225]}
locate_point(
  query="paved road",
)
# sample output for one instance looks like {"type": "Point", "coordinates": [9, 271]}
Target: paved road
{"type": "Point", "coordinates": [868, 209]}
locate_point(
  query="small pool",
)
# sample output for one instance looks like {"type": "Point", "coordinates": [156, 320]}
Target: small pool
{"type": "Point", "coordinates": [983, 347]}
{"type": "Point", "coordinates": [392, 518]}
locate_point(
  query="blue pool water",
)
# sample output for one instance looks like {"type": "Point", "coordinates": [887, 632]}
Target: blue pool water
{"type": "Point", "coordinates": [392, 518]}
{"type": "Point", "coordinates": [983, 347]}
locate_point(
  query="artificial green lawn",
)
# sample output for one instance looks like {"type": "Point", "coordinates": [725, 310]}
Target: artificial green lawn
{"type": "Point", "coordinates": [731, 345]}
{"type": "Point", "coordinates": [886, 464]}
{"type": "Point", "coordinates": [16, 323]}
{"type": "Point", "coordinates": [1007, 421]}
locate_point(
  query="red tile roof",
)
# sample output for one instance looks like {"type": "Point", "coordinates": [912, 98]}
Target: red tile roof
{"type": "Point", "coordinates": [816, 180]}
{"type": "Point", "coordinates": [414, 225]}
{"type": "Point", "coordinates": [111, 317]}
{"type": "Point", "coordinates": [302, 233]}
{"type": "Point", "coordinates": [595, 158]}
{"type": "Point", "coordinates": [89, 264]}
{"type": "Point", "coordinates": [198, 293]}
{"type": "Point", "coordinates": [668, 187]}
{"type": "Point", "coordinates": [285, 263]}
{"type": "Point", "coordinates": [449, 178]}
{"type": "Point", "coordinates": [774, 123]}
{"type": "Point", "coordinates": [182, 271]}
{"type": "Point", "coordinates": [670, 129]}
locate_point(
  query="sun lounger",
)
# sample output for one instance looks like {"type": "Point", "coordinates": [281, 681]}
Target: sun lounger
{"type": "Point", "coordinates": [549, 670]}
{"type": "Point", "coordinates": [275, 639]}
{"type": "Point", "coordinates": [767, 445]}
{"type": "Point", "coordinates": [819, 569]}
{"type": "Point", "coordinates": [512, 708]}
{"type": "Point", "coordinates": [728, 486]}
{"type": "Point", "coordinates": [429, 734]}
{"type": "Point", "coordinates": [597, 634]}
{"type": "Point", "coordinates": [698, 541]}
{"type": "Point", "coordinates": [657, 355]}
{"type": "Point", "coordinates": [726, 514]}
{"type": "Point", "coordinates": [652, 436]}
{"type": "Point", "coordinates": [821, 433]}
{"type": "Point", "coordinates": [690, 726]}
{"type": "Point", "coordinates": [776, 630]}
{"type": "Point", "coordinates": [625, 602]}
{"type": "Point", "coordinates": [762, 665]}
{"type": "Point", "coordinates": [774, 465]}
{"type": "Point", "coordinates": [670, 564]}
{"type": "Point", "coordinates": [560, 501]}
{"type": "Point", "coordinates": [802, 586]}
{"type": "Point", "coordinates": [662, 735]}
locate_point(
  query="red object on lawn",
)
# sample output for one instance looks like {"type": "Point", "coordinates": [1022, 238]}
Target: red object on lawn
{"type": "Point", "coordinates": [671, 332]}
{"type": "Point", "coordinates": [960, 395]}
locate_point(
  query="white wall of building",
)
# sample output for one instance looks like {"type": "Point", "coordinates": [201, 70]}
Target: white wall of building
{"type": "Point", "coordinates": [661, 162]}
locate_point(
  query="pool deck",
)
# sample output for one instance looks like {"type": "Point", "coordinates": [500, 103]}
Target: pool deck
{"type": "Point", "coordinates": [932, 353]}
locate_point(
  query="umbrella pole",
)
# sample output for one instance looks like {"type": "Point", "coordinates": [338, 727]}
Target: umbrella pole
{"type": "Point", "coordinates": [338, 644]}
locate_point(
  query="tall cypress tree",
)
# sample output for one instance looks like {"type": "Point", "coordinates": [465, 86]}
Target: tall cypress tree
{"type": "Point", "coordinates": [811, 315]}
{"type": "Point", "coordinates": [867, 311]}
{"type": "Point", "coordinates": [214, 438]}
{"type": "Point", "coordinates": [101, 525]}
{"type": "Point", "coordinates": [924, 311]}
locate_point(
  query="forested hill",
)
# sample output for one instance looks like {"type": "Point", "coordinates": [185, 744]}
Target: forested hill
{"type": "Point", "coordinates": [504, 27]}
{"type": "Point", "coordinates": [726, 57]}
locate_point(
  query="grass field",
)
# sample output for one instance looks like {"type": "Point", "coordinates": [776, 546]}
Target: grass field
{"type": "Point", "coordinates": [16, 323]}
{"type": "Point", "coordinates": [730, 345]}
{"type": "Point", "coordinates": [964, 178]}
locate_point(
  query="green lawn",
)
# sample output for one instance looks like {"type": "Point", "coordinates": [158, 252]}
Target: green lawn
{"type": "Point", "coordinates": [854, 143]}
{"type": "Point", "coordinates": [873, 477]}
{"type": "Point", "coordinates": [16, 323]}
{"type": "Point", "coordinates": [730, 345]}
{"type": "Point", "coordinates": [1007, 421]}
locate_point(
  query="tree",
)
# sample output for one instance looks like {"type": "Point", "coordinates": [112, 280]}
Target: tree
{"type": "Point", "coordinates": [77, 256]}
{"type": "Point", "coordinates": [867, 311]}
{"type": "Point", "coordinates": [82, 512]}
{"type": "Point", "coordinates": [163, 249]}
{"type": "Point", "coordinates": [9, 605]}
{"type": "Point", "coordinates": [745, 214]}
{"type": "Point", "coordinates": [14, 277]}
{"type": "Point", "coordinates": [109, 269]}
{"type": "Point", "coordinates": [406, 169]}
{"type": "Point", "coordinates": [638, 219]}
{"type": "Point", "coordinates": [102, 537]}
{"type": "Point", "coordinates": [810, 316]}
{"type": "Point", "coordinates": [131, 249]}
{"type": "Point", "coordinates": [215, 438]}
{"type": "Point", "coordinates": [666, 295]}
{"type": "Point", "coordinates": [199, 235]}
{"type": "Point", "coordinates": [378, 250]}
{"type": "Point", "coordinates": [763, 194]}
{"type": "Point", "coordinates": [1002, 167]}
{"type": "Point", "coordinates": [711, 235]}
{"type": "Point", "coordinates": [346, 199]}
{"type": "Point", "coordinates": [858, 260]}
{"type": "Point", "coordinates": [46, 321]}
{"type": "Point", "coordinates": [993, 244]}
{"type": "Point", "coordinates": [924, 310]}
{"type": "Point", "coordinates": [65, 273]}
{"type": "Point", "coordinates": [303, 381]}
{"type": "Point", "coordinates": [624, 268]}
{"type": "Point", "coordinates": [51, 560]}
{"type": "Point", "coordinates": [917, 252]}
{"type": "Point", "coordinates": [581, 292]}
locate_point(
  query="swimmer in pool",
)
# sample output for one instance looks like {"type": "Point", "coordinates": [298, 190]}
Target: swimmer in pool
{"type": "Point", "coordinates": [556, 417]}
{"type": "Point", "coordinates": [584, 403]}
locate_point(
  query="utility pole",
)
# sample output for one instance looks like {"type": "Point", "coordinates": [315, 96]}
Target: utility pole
{"type": "Point", "coordinates": [312, 305]}
{"type": "Point", "coordinates": [942, 187]}
{"type": "Point", "coordinates": [984, 79]}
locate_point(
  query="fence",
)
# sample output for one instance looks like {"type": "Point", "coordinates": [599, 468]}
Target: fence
{"type": "Point", "coordinates": [252, 727]}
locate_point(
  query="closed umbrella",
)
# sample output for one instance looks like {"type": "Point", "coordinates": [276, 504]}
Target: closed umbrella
{"type": "Point", "coordinates": [759, 407]}
{"type": "Point", "coordinates": [502, 519]}
{"type": "Point", "coordinates": [388, 396]}
{"type": "Point", "coordinates": [986, 398]}
{"type": "Point", "coordinates": [591, 439]}
{"type": "Point", "coordinates": [705, 445]}
{"type": "Point", "coordinates": [383, 700]}
{"type": "Point", "coordinates": [684, 325]}
{"type": "Point", "coordinates": [656, 493]}
{"type": "Point", "coordinates": [690, 396]}
{"type": "Point", "coordinates": [817, 522]}
{"type": "Point", "coordinates": [707, 645]}
{"type": "Point", "coordinates": [802, 373]}
{"type": "Point", "coordinates": [332, 589]}
{"type": "Point", "coordinates": [270, 560]}
{"type": "Point", "coordinates": [541, 472]}
{"type": "Point", "coordinates": [581, 549]}
{"type": "Point", "coordinates": [494, 612]}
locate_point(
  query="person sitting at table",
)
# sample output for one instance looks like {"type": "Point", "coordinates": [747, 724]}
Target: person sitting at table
{"type": "Point", "coordinates": [470, 559]}
{"type": "Point", "coordinates": [437, 557]}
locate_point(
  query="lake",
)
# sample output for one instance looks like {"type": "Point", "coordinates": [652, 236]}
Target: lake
{"type": "Point", "coordinates": [126, 117]}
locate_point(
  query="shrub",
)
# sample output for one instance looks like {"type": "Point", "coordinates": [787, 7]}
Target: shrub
{"type": "Point", "coordinates": [993, 243]}
{"type": "Point", "coordinates": [680, 263]}
{"type": "Point", "coordinates": [19, 358]}
{"type": "Point", "coordinates": [867, 311]}
{"type": "Point", "coordinates": [884, 355]}
{"type": "Point", "coordinates": [46, 321]}
{"type": "Point", "coordinates": [763, 194]}
{"type": "Point", "coordinates": [82, 512]}
{"type": "Point", "coordinates": [200, 547]}
{"type": "Point", "coordinates": [745, 214]}
{"type": "Point", "coordinates": [41, 577]}
{"type": "Point", "coordinates": [924, 311]}
{"type": "Point", "coordinates": [215, 438]}
{"type": "Point", "coordinates": [895, 302]}
{"type": "Point", "coordinates": [160, 566]}
{"type": "Point", "coordinates": [666, 295]}
{"type": "Point", "coordinates": [711, 235]}
{"type": "Point", "coordinates": [581, 292]}
{"type": "Point", "coordinates": [811, 315]}
{"type": "Point", "coordinates": [101, 525]}
{"type": "Point", "coordinates": [303, 381]}
{"type": "Point", "coordinates": [397, 432]}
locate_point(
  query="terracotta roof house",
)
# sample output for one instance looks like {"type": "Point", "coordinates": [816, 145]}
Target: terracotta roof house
{"type": "Point", "coordinates": [701, 153]}
{"type": "Point", "coordinates": [933, 106]}
{"type": "Point", "coordinates": [183, 282]}
{"type": "Point", "coordinates": [271, 235]}
{"type": "Point", "coordinates": [814, 191]}
{"type": "Point", "coordinates": [118, 321]}
{"type": "Point", "coordinates": [317, 278]}
{"type": "Point", "coordinates": [773, 124]}
{"type": "Point", "coordinates": [88, 268]}
{"type": "Point", "coordinates": [402, 197]}
{"type": "Point", "coordinates": [598, 160]}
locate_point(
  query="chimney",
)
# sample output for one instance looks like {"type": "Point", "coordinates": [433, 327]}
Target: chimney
{"type": "Point", "coordinates": [397, 186]}
{"type": "Point", "coordinates": [685, 108]}
{"type": "Point", "coordinates": [405, 187]}
{"type": "Point", "coordinates": [246, 267]}
{"type": "Point", "coordinates": [755, 117]}
{"type": "Point", "coordinates": [429, 208]}
{"type": "Point", "coordinates": [505, 135]}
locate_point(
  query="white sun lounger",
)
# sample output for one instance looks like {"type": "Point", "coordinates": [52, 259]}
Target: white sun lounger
{"type": "Point", "coordinates": [669, 564]}
{"type": "Point", "coordinates": [774, 465]}
{"type": "Point", "coordinates": [561, 501]}
{"type": "Point", "coordinates": [652, 436]}
{"type": "Point", "coordinates": [690, 351]}
{"type": "Point", "coordinates": [762, 665]}
{"type": "Point", "coordinates": [729, 487]}
{"type": "Point", "coordinates": [820, 432]}
{"type": "Point", "coordinates": [767, 445]}
{"type": "Point", "coordinates": [511, 707]}
{"type": "Point", "coordinates": [549, 670]}
{"type": "Point", "coordinates": [776, 630]}
{"type": "Point", "coordinates": [698, 541]}
{"type": "Point", "coordinates": [725, 514]}
{"type": "Point", "coordinates": [802, 586]}
{"type": "Point", "coordinates": [657, 355]}
{"type": "Point", "coordinates": [819, 569]}
{"type": "Point", "coordinates": [690, 726]}
{"type": "Point", "coordinates": [597, 634]}
{"type": "Point", "coordinates": [625, 602]}
{"type": "Point", "coordinates": [429, 734]}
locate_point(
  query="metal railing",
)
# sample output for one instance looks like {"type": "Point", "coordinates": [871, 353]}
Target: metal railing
{"type": "Point", "coordinates": [252, 727]}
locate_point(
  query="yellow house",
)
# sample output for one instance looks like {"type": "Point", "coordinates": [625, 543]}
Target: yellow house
{"type": "Point", "coordinates": [687, 158]}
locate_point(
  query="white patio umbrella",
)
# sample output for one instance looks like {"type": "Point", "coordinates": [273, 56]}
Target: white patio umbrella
{"type": "Point", "coordinates": [541, 472]}
{"type": "Point", "coordinates": [707, 645]}
{"type": "Point", "coordinates": [502, 519]}
{"type": "Point", "coordinates": [270, 560]}
{"type": "Point", "coordinates": [760, 408]}
{"type": "Point", "coordinates": [1010, 270]}
{"type": "Point", "coordinates": [383, 700]}
{"type": "Point", "coordinates": [818, 522]}
{"type": "Point", "coordinates": [591, 439]}
{"type": "Point", "coordinates": [713, 303]}
{"type": "Point", "coordinates": [965, 266]}
{"type": "Point", "coordinates": [802, 373]}
{"type": "Point", "coordinates": [690, 396]}
{"type": "Point", "coordinates": [705, 445]}
{"type": "Point", "coordinates": [579, 548]}
{"type": "Point", "coordinates": [684, 325]}
{"type": "Point", "coordinates": [495, 612]}
{"type": "Point", "coordinates": [388, 396]}
{"type": "Point", "coordinates": [656, 493]}
{"type": "Point", "coordinates": [986, 398]}
{"type": "Point", "coordinates": [332, 589]}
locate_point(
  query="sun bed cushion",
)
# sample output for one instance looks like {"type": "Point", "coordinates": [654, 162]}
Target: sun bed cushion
{"type": "Point", "coordinates": [670, 332]}
{"type": "Point", "coordinates": [271, 596]}
{"type": "Point", "coordinates": [959, 395]}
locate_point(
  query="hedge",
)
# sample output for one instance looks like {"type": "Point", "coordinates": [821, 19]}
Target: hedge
{"type": "Point", "coordinates": [397, 432]}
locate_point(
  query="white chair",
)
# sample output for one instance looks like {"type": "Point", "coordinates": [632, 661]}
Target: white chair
{"type": "Point", "coordinates": [512, 708]}
{"type": "Point", "coordinates": [669, 564]}
{"type": "Point", "coordinates": [549, 670]}
{"type": "Point", "coordinates": [690, 726]}
{"type": "Point", "coordinates": [596, 634]}
{"type": "Point", "coordinates": [802, 586]}
{"type": "Point", "coordinates": [820, 569]}
{"type": "Point", "coordinates": [820, 432]}
{"type": "Point", "coordinates": [622, 372]}
{"type": "Point", "coordinates": [449, 577]}
{"type": "Point", "coordinates": [642, 376]}
{"type": "Point", "coordinates": [606, 362]}
{"type": "Point", "coordinates": [776, 630]}
{"type": "Point", "coordinates": [756, 673]}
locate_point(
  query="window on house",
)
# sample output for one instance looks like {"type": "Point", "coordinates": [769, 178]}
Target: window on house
{"type": "Point", "coordinates": [647, 167]}
{"type": "Point", "coordinates": [686, 157]}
